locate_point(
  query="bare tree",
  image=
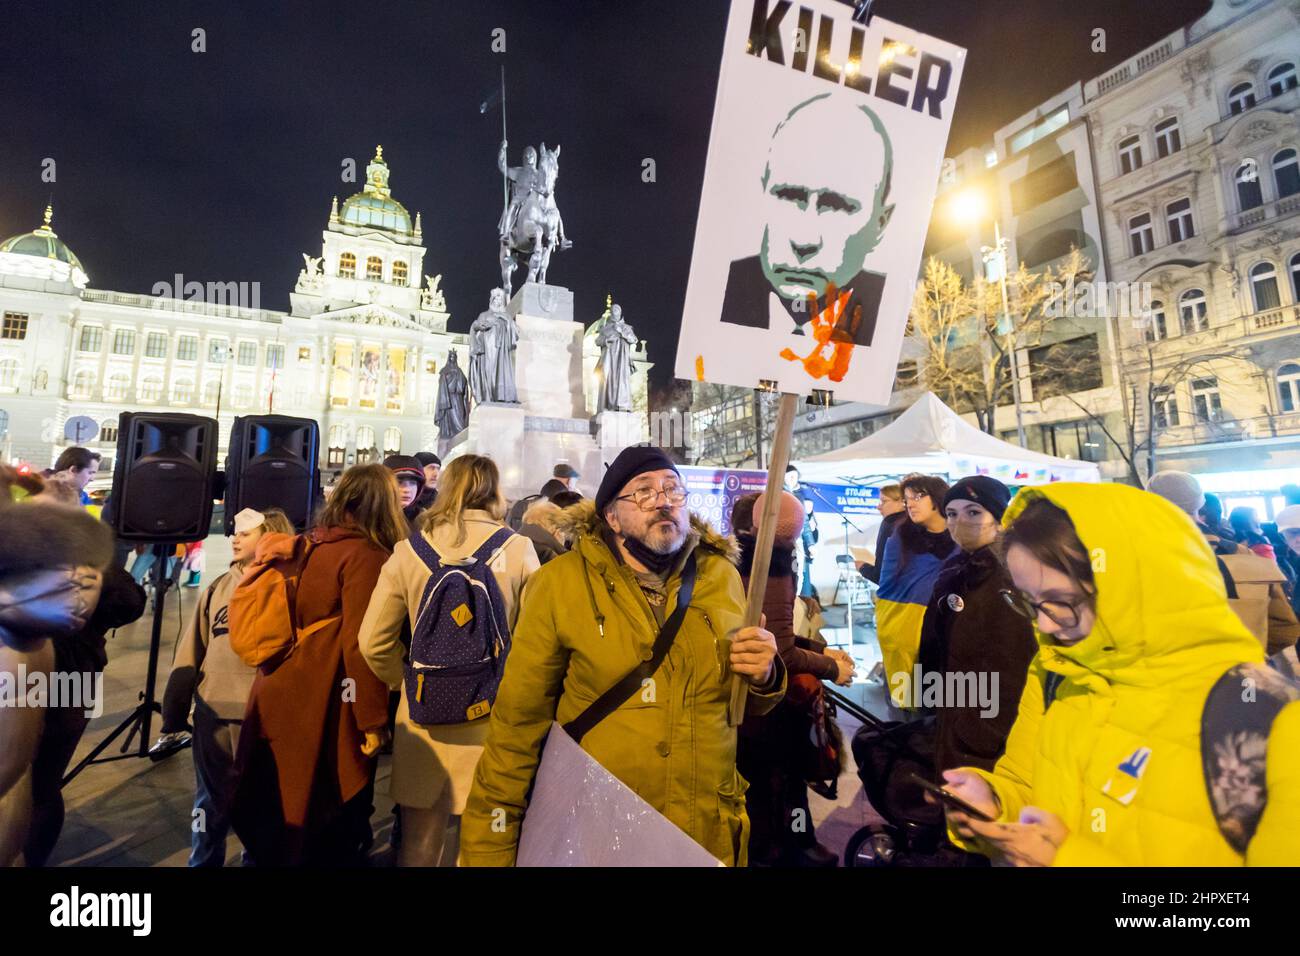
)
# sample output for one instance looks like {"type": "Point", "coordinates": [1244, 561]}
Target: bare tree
{"type": "Point", "coordinates": [735, 437]}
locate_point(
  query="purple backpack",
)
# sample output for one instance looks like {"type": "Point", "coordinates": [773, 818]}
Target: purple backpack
{"type": "Point", "coordinates": [460, 639]}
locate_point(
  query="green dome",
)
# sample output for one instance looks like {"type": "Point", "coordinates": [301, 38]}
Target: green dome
{"type": "Point", "coordinates": [369, 209]}
{"type": "Point", "coordinates": [43, 244]}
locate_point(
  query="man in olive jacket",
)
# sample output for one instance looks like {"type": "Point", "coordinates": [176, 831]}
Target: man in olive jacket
{"type": "Point", "coordinates": [588, 618]}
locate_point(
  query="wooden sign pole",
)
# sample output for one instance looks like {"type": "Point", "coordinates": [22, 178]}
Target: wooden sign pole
{"type": "Point", "coordinates": [766, 535]}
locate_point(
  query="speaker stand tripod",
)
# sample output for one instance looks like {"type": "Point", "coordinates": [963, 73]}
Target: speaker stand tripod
{"type": "Point", "coordinates": [138, 721]}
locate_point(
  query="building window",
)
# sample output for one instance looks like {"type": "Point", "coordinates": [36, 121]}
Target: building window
{"type": "Point", "coordinates": [183, 391]}
{"type": "Point", "coordinates": [1295, 277]}
{"type": "Point", "coordinates": [83, 384]}
{"type": "Point", "coordinates": [374, 268]}
{"type": "Point", "coordinates": [1065, 367]}
{"type": "Point", "coordinates": [123, 342]}
{"type": "Point", "coordinates": [218, 351]}
{"type": "Point", "coordinates": [1263, 286]}
{"type": "Point", "coordinates": [1249, 194]}
{"type": "Point", "coordinates": [1082, 440]}
{"type": "Point", "coordinates": [118, 384]}
{"type": "Point", "coordinates": [304, 355]}
{"type": "Point", "coordinates": [1130, 154]}
{"type": "Point", "coordinates": [1288, 386]}
{"type": "Point", "coordinates": [347, 266]}
{"type": "Point", "coordinates": [108, 431]}
{"type": "Point", "coordinates": [14, 327]}
{"type": "Point", "coordinates": [275, 356]}
{"type": "Point", "coordinates": [392, 441]}
{"type": "Point", "coordinates": [1158, 329]}
{"type": "Point", "coordinates": [1178, 215]}
{"type": "Point", "coordinates": [9, 370]}
{"type": "Point", "coordinates": [399, 273]}
{"type": "Point", "coordinates": [187, 348]}
{"type": "Point", "coordinates": [92, 339]}
{"type": "Point", "coordinates": [151, 389]}
{"type": "Point", "coordinates": [212, 392]}
{"type": "Point", "coordinates": [1241, 98]}
{"type": "Point", "coordinates": [366, 449]}
{"type": "Point", "coordinates": [1205, 399]}
{"type": "Point", "coordinates": [1193, 312]}
{"type": "Point", "coordinates": [243, 395]}
{"type": "Point", "coordinates": [1282, 78]}
{"type": "Point", "coordinates": [1286, 173]}
{"type": "Point", "coordinates": [1166, 408]}
{"type": "Point", "coordinates": [1140, 234]}
{"type": "Point", "coordinates": [247, 356]}
{"type": "Point", "coordinates": [1169, 139]}
{"type": "Point", "coordinates": [906, 375]}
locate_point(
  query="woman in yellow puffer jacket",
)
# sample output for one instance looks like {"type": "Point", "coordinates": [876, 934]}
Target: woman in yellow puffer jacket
{"type": "Point", "coordinates": [1103, 766]}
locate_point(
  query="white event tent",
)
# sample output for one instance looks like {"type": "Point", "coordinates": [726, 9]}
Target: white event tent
{"type": "Point", "coordinates": [933, 439]}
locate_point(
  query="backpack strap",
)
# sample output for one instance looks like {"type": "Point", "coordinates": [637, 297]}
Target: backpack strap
{"type": "Point", "coordinates": [425, 551]}
{"type": "Point", "coordinates": [1229, 585]}
{"type": "Point", "coordinates": [614, 698]}
{"type": "Point", "coordinates": [487, 551]}
{"type": "Point", "coordinates": [1235, 724]}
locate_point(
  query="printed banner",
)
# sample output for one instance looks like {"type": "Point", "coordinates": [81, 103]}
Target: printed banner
{"type": "Point", "coordinates": [824, 158]}
{"type": "Point", "coordinates": [710, 492]}
{"type": "Point", "coordinates": [852, 501]}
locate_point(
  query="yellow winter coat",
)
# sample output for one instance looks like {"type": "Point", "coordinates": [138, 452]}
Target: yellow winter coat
{"type": "Point", "coordinates": [675, 750]}
{"type": "Point", "coordinates": [1164, 635]}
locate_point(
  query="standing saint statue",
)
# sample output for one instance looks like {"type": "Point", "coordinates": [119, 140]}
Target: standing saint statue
{"type": "Point", "coordinates": [614, 370]}
{"type": "Point", "coordinates": [493, 338]}
{"type": "Point", "coordinates": [451, 413]}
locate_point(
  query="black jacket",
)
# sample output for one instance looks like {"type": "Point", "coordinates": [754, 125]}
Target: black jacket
{"type": "Point", "coordinates": [984, 637]}
{"type": "Point", "coordinates": [887, 525]}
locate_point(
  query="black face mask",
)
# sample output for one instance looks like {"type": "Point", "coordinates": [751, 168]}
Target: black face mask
{"type": "Point", "coordinates": [653, 561]}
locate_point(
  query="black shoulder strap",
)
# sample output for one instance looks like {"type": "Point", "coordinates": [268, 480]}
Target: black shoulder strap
{"type": "Point", "coordinates": [613, 699]}
{"type": "Point", "coordinates": [1051, 682]}
{"type": "Point", "coordinates": [1235, 725]}
{"type": "Point", "coordinates": [1229, 584]}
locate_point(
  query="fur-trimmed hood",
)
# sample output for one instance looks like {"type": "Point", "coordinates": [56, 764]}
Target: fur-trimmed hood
{"type": "Point", "coordinates": [581, 519]}
{"type": "Point", "coordinates": [36, 535]}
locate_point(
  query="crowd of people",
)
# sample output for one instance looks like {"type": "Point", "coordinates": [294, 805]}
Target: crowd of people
{"type": "Point", "coordinates": [423, 615]}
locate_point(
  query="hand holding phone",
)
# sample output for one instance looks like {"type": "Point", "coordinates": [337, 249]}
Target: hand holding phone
{"type": "Point", "coordinates": [949, 799]}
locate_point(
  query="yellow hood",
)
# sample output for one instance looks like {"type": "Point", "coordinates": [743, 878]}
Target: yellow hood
{"type": "Point", "coordinates": [1162, 611]}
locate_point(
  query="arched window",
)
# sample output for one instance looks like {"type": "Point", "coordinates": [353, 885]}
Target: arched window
{"type": "Point", "coordinates": [150, 389]}
{"type": "Point", "coordinates": [1130, 154]}
{"type": "Point", "coordinates": [1249, 194]}
{"type": "Point", "coordinates": [1282, 78]}
{"type": "Point", "coordinates": [108, 431]}
{"type": "Point", "coordinates": [1288, 386]}
{"type": "Point", "coordinates": [1193, 311]}
{"type": "Point", "coordinates": [118, 384]}
{"type": "Point", "coordinates": [338, 447]}
{"type": "Point", "coordinates": [211, 392]}
{"type": "Point", "coordinates": [83, 384]}
{"type": "Point", "coordinates": [9, 370]}
{"type": "Point", "coordinates": [1263, 286]}
{"type": "Point", "coordinates": [399, 273]}
{"type": "Point", "coordinates": [1158, 329]}
{"type": "Point", "coordinates": [183, 391]}
{"type": "Point", "coordinates": [1286, 173]}
{"type": "Point", "coordinates": [1141, 236]}
{"type": "Point", "coordinates": [374, 268]}
{"type": "Point", "coordinates": [1169, 139]}
{"type": "Point", "coordinates": [1241, 98]}
{"type": "Point", "coordinates": [347, 266]}
{"type": "Point", "coordinates": [366, 448]}
{"type": "Point", "coordinates": [392, 441]}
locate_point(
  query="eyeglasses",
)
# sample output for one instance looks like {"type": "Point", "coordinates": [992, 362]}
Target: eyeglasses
{"type": "Point", "coordinates": [921, 497]}
{"type": "Point", "coordinates": [1061, 613]}
{"type": "Point", "coordinates": [647, 499]}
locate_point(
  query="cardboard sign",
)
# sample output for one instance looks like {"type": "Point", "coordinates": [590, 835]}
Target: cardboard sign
{"type": "Point", "coordinates": [824, 158]}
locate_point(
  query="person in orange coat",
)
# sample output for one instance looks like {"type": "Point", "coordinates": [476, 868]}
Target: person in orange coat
{"type": "Point", "coordinates": [316, 719]}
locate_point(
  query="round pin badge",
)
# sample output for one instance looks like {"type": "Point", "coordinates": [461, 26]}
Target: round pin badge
{"type": "Point", "coordinates": [955, 602]}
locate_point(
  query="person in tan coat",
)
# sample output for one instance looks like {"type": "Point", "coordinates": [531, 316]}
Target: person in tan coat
{"type": "Point", "coordinates": [316, 719]}
{"type": "Point", "coordinates": [433, 765]}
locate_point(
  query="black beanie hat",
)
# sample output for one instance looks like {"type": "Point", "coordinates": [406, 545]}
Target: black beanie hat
{"type": "Point", "coordinates": [989, 493]}
{"type": "Point", "coordinates": [630, 462]}
{"type": "Point", "coordinates": [426, 458]}
{"type": "Point", "coordinates": [405, 468]}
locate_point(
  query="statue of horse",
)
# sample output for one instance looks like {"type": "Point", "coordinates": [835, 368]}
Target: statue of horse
{"type": "Point", "coordinates": [538, 228]}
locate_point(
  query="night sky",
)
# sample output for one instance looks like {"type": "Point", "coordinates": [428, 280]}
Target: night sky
{"type": "Point", "coordinates": [220, 165]}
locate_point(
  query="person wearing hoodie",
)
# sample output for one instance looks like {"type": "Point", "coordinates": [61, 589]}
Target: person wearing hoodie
{"type": "Point", "coordinates": [208, 676]}
{"type": "Point", "coordinates": [969, 629]}
{"type": "Point", "coordinates": [51, 575]}
{"type": "Point", "coordinates": [1106, 765]}
{"type": "Point", "coordinates": [911, 562]}
{"type": "Point", "coordinates": [590, 617]}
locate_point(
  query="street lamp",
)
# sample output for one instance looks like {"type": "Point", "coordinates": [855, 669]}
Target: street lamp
{"type": "Point", "coordinates": [968, 208]}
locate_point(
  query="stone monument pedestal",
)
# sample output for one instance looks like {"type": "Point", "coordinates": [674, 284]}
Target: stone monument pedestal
{"type": "Point", "coordinates": [615, 431]}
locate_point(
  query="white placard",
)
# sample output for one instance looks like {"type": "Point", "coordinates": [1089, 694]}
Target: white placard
{"type": "Point", "coordinates": [824, 158]}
